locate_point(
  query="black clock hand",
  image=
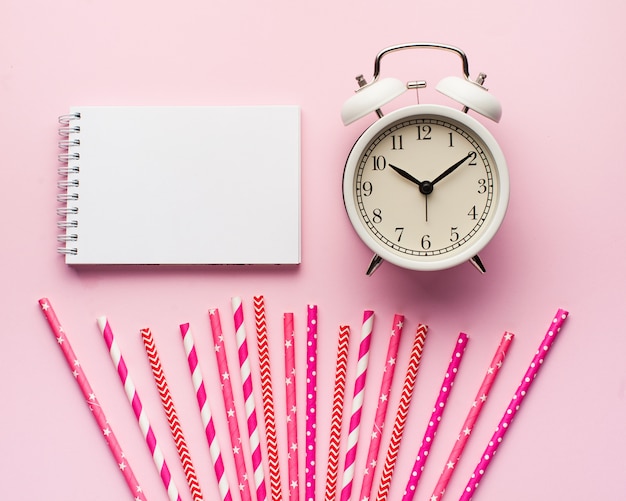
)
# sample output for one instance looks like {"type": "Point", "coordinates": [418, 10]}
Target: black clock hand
{"type": "Point", "coordinates": [452, 168]}
{"type": "Point", "coordinates": [405, 175]}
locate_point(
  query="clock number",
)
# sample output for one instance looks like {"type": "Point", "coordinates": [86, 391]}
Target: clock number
{"type": "Point", "coordinates": [472, 213]}
{"type": "Point", "coordinates": [380, 162]}
{"type": "Point", "coordinates": [482, 186]}
{"type": "Point", "coordinates": [396, 142]}
{"type": "Point", "coordinates": [377, 216]}
{"type": "Point", "coordinates": [423, 133]}
{"type": "Point", "coordinates": [426, 242]}
{"type": "Point", "coordinates": [367, 188]}
{"type": "Point", "coordinates": [472, 155]}
{"type": "Point", "coordinates": [451, 145]}
{"type": "Point", "coordinates": [399, 232]}
{"type": "Point", "coordinates": [454, 235]}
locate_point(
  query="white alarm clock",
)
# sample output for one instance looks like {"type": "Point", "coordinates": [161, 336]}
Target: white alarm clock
{"type": "Point", "coordinates": [426, 186]}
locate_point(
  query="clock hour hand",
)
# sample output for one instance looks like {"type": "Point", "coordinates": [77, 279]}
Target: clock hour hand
{"type": "Point", "coordinates": [452, 168]}
{"type": "Point", "coordinates": [405, 175]}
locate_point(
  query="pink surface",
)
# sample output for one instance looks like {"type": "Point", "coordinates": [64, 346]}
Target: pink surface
{"type": "Point", "coordinates": [558, 72]}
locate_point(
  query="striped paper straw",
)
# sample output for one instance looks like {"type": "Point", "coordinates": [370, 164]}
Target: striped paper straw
{"type": "Point", "coordinates": [357, 404]}
{"type": "Point", "coordinates": [205, 412]}
{"type": "Point", "coordinates": [435, 419]}
{"type": "Point", "coordinates": [248, 396]}
{"type": "Point", "coordinates": [381, 407]}
{"type": "Point", "coordinates": [291, 410]}
{"type": "Point", "coordinates": [268, 398]}
{"type": "Point", "coordinates": [229, 404]}
{"type": "Point", "coordinates": [90, 398]}
{"type": "Point", "coordinates": [472, 416]}
{"type": "Point", "coordinates": [337, 413]}
{"type": "Point", "coordinates": [516, 402]}
{"type": "Point", "coordinates": [402, 413]}
{"type": "Point", "coordinates": [172, 416]}
{"type": "Point", "coordinates": [140, 413]}
{"type": "Point", "coordinates": [311, 402]}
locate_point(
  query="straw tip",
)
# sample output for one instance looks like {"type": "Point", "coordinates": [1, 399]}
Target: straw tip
{"type": "Point", "coordinates": [102, 321]}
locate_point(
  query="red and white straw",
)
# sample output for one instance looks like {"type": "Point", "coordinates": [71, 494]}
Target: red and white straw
{"type": "Point", "coordinates": [291, 408]}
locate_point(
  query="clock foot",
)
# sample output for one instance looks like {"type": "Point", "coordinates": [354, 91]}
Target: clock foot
{"type": "Point", "coordinates": [374, 264]}
{"type": "Point", "coordinates": [478, 264]}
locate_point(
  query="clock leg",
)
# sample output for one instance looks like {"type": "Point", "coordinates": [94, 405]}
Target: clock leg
{"type": "Point", "coordinates": [478, 264]}
{"type": "Point", "coordinates": [374, 264]}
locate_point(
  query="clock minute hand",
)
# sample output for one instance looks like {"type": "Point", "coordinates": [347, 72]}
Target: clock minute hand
{"type": "Point", "coordinates": [451, 169]}
{"type": "Point", "coordinates": [405, 175]}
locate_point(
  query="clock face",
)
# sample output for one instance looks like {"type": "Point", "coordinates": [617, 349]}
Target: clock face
{"type": "Point", "coordinates": [426, 187]}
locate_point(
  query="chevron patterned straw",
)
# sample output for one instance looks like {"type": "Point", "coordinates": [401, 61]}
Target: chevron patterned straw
{"type": "Point", "coordinates": [205, 412]}
{"type": "Point", "coordinates": [433, 424]}
{"type": "Point", "coordinates": [248, 395]}
{"type": "Point", "coordinates": [292, 409]}
{"type": "Point", "coordinates": [357, 404]}
{"type": "Point", "coordinates": [268, 398]}
{"type": "Point", "coordinates": [516, 402]}
{"type": "Point", "coordinates": [381, 408]}
{"type": "Point", "coordinates": [172, 417]}
{"type": "Point", "coordinates": [472, 416]}
{"type": "Point", "coordinates": [337, 413]}
{"type": "Point", "coordinates": [90, 398]}
{"type": "Point", "coordinates": [311, 402]}
{"type": "Point", "coordinates": [229, 404]}
{"type": "Point", "coordinates": [402, 412]}
{"type": "Point", "coordinates": [140, 413]}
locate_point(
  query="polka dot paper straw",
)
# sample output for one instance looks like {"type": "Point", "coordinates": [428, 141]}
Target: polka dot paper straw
{"type": "Point", "coordinates": [229, 404]}
{"type": "Point", "coordinates": [357, 404]}
{"type": "Point", "coordinates": [248, 397]}
{"type": "Point", "coordinates": [90, 398]}
{"type": "Point", "coordinates": [140, 413]}
{"type": "Point", "coordinates": [402, 412]}
{"type": "Point", "coordinates": [292, 414]}
{"type": "Point", "coordinates": [205, 412]}
{"type": "Point", "coordinates": [516, 402]}
{"type": "Point", "coordinates": [472, 416]}
{"type": "Point", "coordinates": [381, 408]}
{"type": "Point", "coordinates": [311, 402]}
{"type": "Point", "coordinates": [435, 419]}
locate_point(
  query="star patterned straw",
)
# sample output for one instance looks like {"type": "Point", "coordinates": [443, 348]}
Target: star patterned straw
{"type": "Point", "coordinates": [357, 404]}
{"type": "Point", "coordinates": [291, 411]}
{"type": "Point", "coordinates": [90, 399]}
{"type": "Point", "coordinates": [248, 396]}
{"type": "Point", "coordinates": [205, 412]}
{"type": "Point", "coordinates": [229, 404]}
{"type": "Point", "coordinates": [138, 409]}
{"type": "Point", "coordinates": [433, 424]}
{"type": "Point", "coordinates": [472, 416]}
{"type": "Point", "coordinates": [381, 408]}
{"type": "Point", "coordinates": [311, 397]}
{"type": "Point", "coordinates": [516, 402]}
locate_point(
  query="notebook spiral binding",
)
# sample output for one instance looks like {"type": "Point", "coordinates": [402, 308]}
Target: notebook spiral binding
{"type": "Point", "coordinates": [68, 184]}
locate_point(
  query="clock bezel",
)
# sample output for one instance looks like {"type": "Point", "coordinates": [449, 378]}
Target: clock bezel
{"type": "Point", "coordinates": [464, 252]}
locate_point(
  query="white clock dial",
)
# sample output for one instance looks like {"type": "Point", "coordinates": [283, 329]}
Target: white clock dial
{"type": "Point", "coordinates": [426, 187]}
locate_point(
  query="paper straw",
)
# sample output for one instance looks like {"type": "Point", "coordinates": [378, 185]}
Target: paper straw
{"type": "Point", "coordinates": [172, 416]}
{"type": "Point", "coordinates": [205, 412]}
{"type": "Point", "coordinates": [291, 410]}
{"type": "Point", "coordinates": [357, 404]}
{"type": "Point", "coordinates": [229, 404]}
{"type": "Point", "coordinates": [311, 402]}
{"type": "Point", "coordinates": [140, 412]}
{"type": "Point", "coordinates": [472, 416]}
{"type": "Point", "coordinates": [516, 402]}
{"type": "Point", "coordinates": [90, 399]}
{"type": "Point", "coordinates": [268, 398]}
{"type": "Point", "coordinates": [381, 407]}
{"type": "Point", "coordinates": [435, 419]}
{"type": "Point", "coordinates": [402, 413]}
{"type": "Point", "coordinates": [337, 412]}
{"type": "Point", "coordinates": [248, 396]}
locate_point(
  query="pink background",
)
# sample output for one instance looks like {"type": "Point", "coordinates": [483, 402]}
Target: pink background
{"type": "Point", "coordinates": [557, 68]}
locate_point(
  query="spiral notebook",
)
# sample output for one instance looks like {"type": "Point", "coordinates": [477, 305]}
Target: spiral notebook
{"type": "Point", "coordinates": [180, 185]}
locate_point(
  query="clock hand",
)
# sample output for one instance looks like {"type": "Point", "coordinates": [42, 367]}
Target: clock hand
{"type": "Point", "coordinates": [451, 169]}
{"type": "Point", "coordinates": [405, 175]}
{"type": "Point", "coordinates": [426, 187]}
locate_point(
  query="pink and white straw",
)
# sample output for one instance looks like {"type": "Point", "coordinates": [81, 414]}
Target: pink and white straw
{"type": "Point", "coordinates": [514, 405]}
{"type": "Point", "coordinates": [248, 396]}
{"type": "Point", "coordinates": [381, 407]}
{"type": "Point", "coordinates": [229, 404]}
{"type": "Point", "coordinates": [435, 419]}
{"type": "Point", "coordinates": [138, 409]}
{"type": "Point", "coordinates": [472, 416]}
{"type": "Point", "coordinates": [205, 412]}
{"type": "Point", "coordinates": [292, 409]}
{"type": "Point", "coordinates": [91, 400]}
{"type": "Point", "coordinates": [311, 402]}
{"type": "Point", "coordinates": [357, 404]}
